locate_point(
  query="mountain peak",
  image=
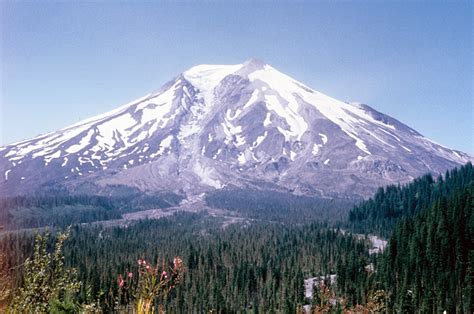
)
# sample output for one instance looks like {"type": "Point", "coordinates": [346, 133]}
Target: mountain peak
{"type": "Point", "coordinates": [211, 74]}
{"type": "Point", "coordinates": [254, 63]}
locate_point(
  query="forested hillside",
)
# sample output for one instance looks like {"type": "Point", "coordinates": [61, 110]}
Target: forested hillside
{"type": "Point", "coordinates": [428, 265]}
{"type": "Point", "coordinates": [380, 213]}
{"type": "Point", "coordinates": [60, 209]}
{"type": "Point", "coordinates": [279, 206]}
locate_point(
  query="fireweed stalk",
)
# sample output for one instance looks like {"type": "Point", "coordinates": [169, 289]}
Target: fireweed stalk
{"type": "Point", "coordinates": [151, 282]}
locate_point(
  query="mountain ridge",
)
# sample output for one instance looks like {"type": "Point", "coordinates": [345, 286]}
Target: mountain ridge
{"type": "Point", "coordinates": [245, 125]}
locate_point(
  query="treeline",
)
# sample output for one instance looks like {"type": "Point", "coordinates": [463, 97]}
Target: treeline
{"type": "Point", "coordinates": [279, 206]}
{"type": "Point", "coordinates": [259, 266]}
{"type": "Point", "coordinates": [61, 209]}
{"type": "Point", "coordinates": [381, 213]}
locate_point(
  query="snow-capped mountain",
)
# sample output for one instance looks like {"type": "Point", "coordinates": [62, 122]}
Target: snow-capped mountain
{"type": "Point", "coordinates": [245, 125]}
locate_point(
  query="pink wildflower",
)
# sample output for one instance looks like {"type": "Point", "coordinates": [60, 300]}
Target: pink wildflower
{"type": "Point", "coordinates": [139, 261]}
{"type": "Point", "coordinates": [178, 262]}
{"type": "Point", "coordinates": [164, 274]}
{"type": "Point", "coordinates": [120, 281]}
{"type": "Point", "coordinates": [130, 275]}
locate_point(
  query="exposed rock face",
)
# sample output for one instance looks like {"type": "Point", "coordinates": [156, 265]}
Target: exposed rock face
{"type": "Point", "coordinates": [245, 125]}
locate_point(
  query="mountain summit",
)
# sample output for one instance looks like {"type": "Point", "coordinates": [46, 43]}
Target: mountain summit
{"type": "Point", "coordinates": [244, 126]}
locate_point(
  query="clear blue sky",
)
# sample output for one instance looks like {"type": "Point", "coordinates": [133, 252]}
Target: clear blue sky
{"type": "Point", "coordinates": [62, 62]}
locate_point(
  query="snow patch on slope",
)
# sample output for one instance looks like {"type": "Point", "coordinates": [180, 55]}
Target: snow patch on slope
{"type": "Point", "coordinates": [260, 139]}
{"type": "Point", "coordinates": [82, 144]}
{"type": "Point", "coordinates": [315, 149]}
{"type": "Point", "coordinates": [267, 120]}
{"type": "Point", "coordinates": [296, 122]}
{"type": "Point", "coordinates": [165, 143]}
{"type": "Point", "coordinates": [47, 159]}
{"type": "Point", "coordinates": [283, 103]}
{"type": "Point", "coordinates": [324, 138]}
